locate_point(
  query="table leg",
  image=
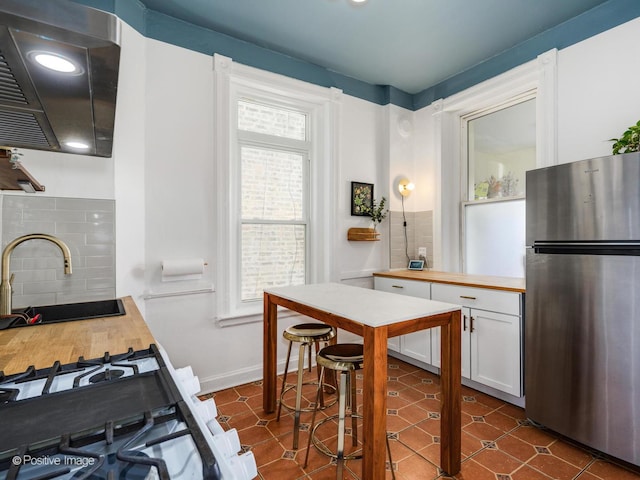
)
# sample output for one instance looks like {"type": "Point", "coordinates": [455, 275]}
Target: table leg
{"type": "Point", "coordinates": [269, 354]}
{"type": "Point", "coordinates": [450, 377]}
{"type": "Point", "coordinates": [374, 403]}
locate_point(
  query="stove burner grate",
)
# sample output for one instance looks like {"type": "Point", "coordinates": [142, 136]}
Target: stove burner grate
{"type": "Point", "coordinates": [8, 394]}
{"type": "Point", "coordinates": [106, 375]}
{"type": "Point", "coordinates": [111, 468]}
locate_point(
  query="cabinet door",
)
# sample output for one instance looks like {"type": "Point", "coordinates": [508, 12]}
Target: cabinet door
{"type": "Point", "coordinates": [465, 340]}
{"type": "Point", "coordinates": [495, 350]}
{"type": "Point", "coordinates": [415, 345]}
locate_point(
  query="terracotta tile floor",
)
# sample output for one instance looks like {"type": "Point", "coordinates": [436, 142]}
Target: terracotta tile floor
{"type": "Point", "coordinates": [498, 443]}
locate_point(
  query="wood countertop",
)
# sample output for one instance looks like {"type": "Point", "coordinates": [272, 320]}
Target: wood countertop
{"type": "Point", "coordinates": [510, 284]}
{"type": "Point", "coordinates": [41, 345]}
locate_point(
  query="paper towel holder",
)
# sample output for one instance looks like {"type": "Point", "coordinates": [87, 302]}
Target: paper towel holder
{"type": "Point", "coordinates": [182, 269]}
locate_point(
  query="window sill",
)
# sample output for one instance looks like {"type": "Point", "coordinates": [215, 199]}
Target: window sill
{"type": "Point", "coordinates": [244, 319]}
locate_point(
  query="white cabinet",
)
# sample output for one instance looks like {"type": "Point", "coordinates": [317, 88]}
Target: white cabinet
{"type": "Point", "coordinates": [491, 335]}
{"type": "Point", "coordinates": [418, 344]}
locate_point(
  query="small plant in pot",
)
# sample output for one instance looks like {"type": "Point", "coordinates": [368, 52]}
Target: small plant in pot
{"type": "Point", "coordinates": [628, 142]}
{"type": "Point", "coordinates": [377, 212]}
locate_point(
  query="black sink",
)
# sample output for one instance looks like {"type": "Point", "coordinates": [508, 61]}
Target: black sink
{"type": "Point", "coordinates": [65, 313]}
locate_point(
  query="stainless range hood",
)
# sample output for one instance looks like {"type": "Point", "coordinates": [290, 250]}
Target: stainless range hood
{"type": "Point", "coordinates": [44, 109]}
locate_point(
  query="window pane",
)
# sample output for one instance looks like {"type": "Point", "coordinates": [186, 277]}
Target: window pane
{"type": "Point", "coordinates": [272, 256]}
{"type": "Point", "coordinates": [272, 184]}
{"type": "Point", "coordinates": [501, 147]}
{"type": "Point", "coordinates": [254, 117]}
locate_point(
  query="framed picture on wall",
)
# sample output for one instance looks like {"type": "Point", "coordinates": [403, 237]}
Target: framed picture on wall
{"type": "Point", "coordinates": [361, 198]}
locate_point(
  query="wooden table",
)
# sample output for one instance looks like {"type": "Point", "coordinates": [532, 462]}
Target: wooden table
{"type": "Point", "coordinates": [375, 316]}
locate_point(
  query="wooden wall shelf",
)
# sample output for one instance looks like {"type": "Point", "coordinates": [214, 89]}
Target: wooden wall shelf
{"type": "Point", "coordinates": [362, 235]}
{"type": "Point", "coordinates": [12, 173]}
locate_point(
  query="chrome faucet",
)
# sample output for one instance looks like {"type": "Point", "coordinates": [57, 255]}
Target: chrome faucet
{"type": "Point", "coordinates": [5, 285]}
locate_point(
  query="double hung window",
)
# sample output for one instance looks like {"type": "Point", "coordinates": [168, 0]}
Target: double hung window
{"type": "Point", "coordinates": [276, 147]}
{"type": "Point", "coordinates": [273, 151]}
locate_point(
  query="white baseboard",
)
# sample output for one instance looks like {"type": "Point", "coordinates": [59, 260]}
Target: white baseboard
{"type": "Point", "coordinates": [241, 376]}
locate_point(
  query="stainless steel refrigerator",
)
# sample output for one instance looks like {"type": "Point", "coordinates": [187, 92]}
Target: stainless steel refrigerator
{"type": "Point", "coordinates": [582, 316]}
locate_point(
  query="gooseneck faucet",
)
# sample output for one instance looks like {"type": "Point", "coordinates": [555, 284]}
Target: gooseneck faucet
{"type": "Point", "coordinates": [5, 285]}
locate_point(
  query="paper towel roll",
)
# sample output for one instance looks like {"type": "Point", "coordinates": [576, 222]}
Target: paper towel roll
{"type": "Point", "coordinates": [183, 269]}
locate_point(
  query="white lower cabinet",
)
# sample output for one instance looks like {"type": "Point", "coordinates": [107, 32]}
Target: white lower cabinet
{"type": "Point", "coordinates": [415, 345]}
{"type": "Point", "coordinates": [495, 350]}
{"type": "Point", "coordinates": [491, 331]}
{"type": "Point", "coordinates": [491, 336]}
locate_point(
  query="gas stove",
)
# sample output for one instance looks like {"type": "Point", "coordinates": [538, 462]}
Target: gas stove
{"type": "Point", "coordinates": [130, 415]}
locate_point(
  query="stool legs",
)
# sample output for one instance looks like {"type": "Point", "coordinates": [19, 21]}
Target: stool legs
{"type": "Point", "coordinates": [284, 380]}
{"type": "Point", "coordinates": [345, 381]}
{"type": "Point", "coordinates": [299, 384]}
{"type": "Point", "coordinates": [354, 407]}
{"type": "Point", "coordinates": [313, 417]}
{"type": "Point", "coordinates": [347, 396]}
{"type": "Point", "coordinates": [296, 418]}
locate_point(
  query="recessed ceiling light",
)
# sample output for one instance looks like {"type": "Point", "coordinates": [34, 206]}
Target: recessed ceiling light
{"type": "Point", "coordinates": [55, 62]}
{"type": "Point", "coordinates": [78, 145]}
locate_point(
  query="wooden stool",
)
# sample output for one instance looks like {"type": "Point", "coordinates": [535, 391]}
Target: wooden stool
{"type": "Point", "coordinates": [345, 358]}
{"type": "Point", "coordinates": [307, 334]}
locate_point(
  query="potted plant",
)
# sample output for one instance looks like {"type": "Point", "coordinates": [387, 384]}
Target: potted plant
{"type": "Point", "coordinates": [628, 142]}
{"type": "Point", "coordinates": [377, 212]}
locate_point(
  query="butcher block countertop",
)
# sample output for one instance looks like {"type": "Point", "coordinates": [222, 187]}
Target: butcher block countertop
{"type": "Point", "coordinates": [41, 345]}
{"type": "Point", "coordinates": [480, 281]}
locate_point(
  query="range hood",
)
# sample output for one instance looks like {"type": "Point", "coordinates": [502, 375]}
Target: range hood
{"type": "Point", "coordinates": [45, 109]}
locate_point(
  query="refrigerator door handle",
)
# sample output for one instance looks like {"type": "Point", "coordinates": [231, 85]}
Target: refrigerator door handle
{"type": "Point", "coordinates": [588, 248]}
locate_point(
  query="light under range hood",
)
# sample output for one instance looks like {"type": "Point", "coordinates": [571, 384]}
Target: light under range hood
{"type": "Point", "coordinates": [50, 110]}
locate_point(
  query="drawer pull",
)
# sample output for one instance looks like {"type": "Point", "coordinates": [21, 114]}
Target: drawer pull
{"type": "Point", "coordinates": [397, 286]}
{"type": "Point", "coordinates": [468, 297]}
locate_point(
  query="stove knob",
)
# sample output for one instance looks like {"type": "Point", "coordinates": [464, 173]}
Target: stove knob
{"type": "Point", "coordinates": [214, 427]}
{"type": "Point", "coordinates": [190, 382]}
{"type": "Point", "coordinates": [192, 386]}
{"type": "Point", "coordinates": [244, 466]}
{"type": "Point", "coordinates": [206, 409]}
{"type": "Point", "coordinates": [184, 373]}
{"type": "Point", "coordinates": [228, 443]}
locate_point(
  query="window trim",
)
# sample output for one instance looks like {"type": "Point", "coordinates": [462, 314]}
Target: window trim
{"type": "Point", "coordinates": [232, 81]}
{"type": "Point", "coordinates": [539, 75]}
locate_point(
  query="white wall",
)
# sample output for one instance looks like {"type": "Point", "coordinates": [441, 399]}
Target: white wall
{"type": "Point", "coordinates": [129, 163]}
{"type": "Point", "coordinates": [598, 94]}
{"type": "Point", "coordinates": [362, 155]}
{"type": "Point", "coordinates": [67, 175]}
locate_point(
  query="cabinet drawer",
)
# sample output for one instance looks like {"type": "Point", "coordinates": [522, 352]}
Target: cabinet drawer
{"type": "Point", "coordinates": [414, 288]}
{"type": "Point", "coordinates": [482, 298]}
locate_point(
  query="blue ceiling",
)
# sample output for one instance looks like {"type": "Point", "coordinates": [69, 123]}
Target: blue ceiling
{"type": "Point", "coordinates": [406, 52]}
{"type": "Point", "coordinates": [408, 44]}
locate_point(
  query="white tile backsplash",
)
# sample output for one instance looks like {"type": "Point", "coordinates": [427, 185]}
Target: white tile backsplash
{"type": "Point", "coordinates": [87, 226]}
{"type": "Point", "coordinates": [419, 233]}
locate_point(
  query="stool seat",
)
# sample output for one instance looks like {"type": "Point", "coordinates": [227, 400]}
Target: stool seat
{"type": "Point", "coordinates": [309, 333]}
{"type": "Point", "coordinates": [342, 357]}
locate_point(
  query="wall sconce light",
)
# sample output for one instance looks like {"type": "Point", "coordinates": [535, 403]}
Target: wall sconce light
{"type": "Point", "coordinates": [405, 187]}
